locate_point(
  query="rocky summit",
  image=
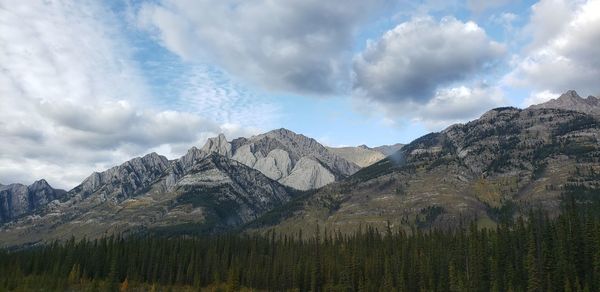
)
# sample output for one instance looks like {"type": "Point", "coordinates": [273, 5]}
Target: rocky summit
{"type": "Point", "coordinates": [293, 160]}
{"type": "Point", "coordinates": [17, 200]}
{"type": "Point", "coordinates": [570, 100]}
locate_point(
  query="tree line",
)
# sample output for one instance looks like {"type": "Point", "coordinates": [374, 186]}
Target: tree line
{"type": "Point", "coordinates": [534, 253]}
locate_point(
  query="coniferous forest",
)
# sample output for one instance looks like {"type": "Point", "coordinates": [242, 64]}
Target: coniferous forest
{"type": "Point", "coordinates": [534, 253]}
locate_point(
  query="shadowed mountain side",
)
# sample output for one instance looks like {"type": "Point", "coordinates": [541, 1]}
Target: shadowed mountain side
{"type": "Point", "coordinates": [492, 168]}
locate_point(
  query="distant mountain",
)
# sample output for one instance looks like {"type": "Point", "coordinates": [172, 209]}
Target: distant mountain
{"type": "Point", "coordinates": [293, 160]}
{"type": "Point", "coordinates": [495, 167]}
{"type": "Point", "coordinates": [216, 188]}
{"type": "Point", "coordinates": [388, 150]}
{"type": "Point", "coordinates": [199, 193]}
{"type": "Point", "coordinates": [362, 155]}
{"type": "Point", "coordinates": [570, 100]}
{"type": "Point", "coordinates": [17, 200]}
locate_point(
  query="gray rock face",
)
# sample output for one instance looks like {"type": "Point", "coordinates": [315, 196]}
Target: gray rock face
{"type": "Point", "coordinates": [125, 180]}
{"type": "Point", "coordinates": [218, 145]}
{"type": "Point", "coordinates": [217, 182]}
{"type": "Point", "coordinates": [308, 173]}
{"type": "Point", "coordinates": [278, 154]}
{"type": "Point", "coordinates": [570, 100]}
{"type": "Point", "coordinates": [17, 200]}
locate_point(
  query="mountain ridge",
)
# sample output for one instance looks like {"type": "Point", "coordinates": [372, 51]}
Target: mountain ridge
{"type": "Point", "coordinates": [494, 167]}
{"type": "Point", "coordinates": [293, 159]}
{"type": "Point", "coordinates": [199, 191]}
{"type": "Point", "coordinates": [570, 100]}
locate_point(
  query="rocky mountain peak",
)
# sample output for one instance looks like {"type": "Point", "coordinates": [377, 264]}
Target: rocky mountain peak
{"type": "Point", "coordinates": [570, 94]}
{"type": "Point", "coordinates": [570, 100]}
{"type": "Point", "coordinates": [123, 181]}
{"type": "Point", "coordinates": [40, 184]}
{"type": "Point", "coordinates": [18, 199]}
{"type": "Point", "coordinates": [219, 145]}
{"type": "Point", "coordinates": [277, 154]}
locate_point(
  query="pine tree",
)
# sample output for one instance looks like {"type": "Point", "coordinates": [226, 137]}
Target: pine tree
{"type": "Point", "coordinates": [74, 274]}
{"type": "Point", "coordinates": [233, 283]}
{"type": "Point", "coordinates": [533, 276]}
{"type": "Point", "coordinates": [124, 286]}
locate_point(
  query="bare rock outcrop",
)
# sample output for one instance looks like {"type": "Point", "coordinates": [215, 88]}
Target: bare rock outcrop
{"type": "Point", "coordinates": [285, 156]}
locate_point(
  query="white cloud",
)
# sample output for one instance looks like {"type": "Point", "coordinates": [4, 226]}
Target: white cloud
{"type": "Point", "coordinates": [416, 58]}
{"type": "Point", "coordinates": [73, 101]}
{"type": "Point", "coordinates": [294, 46]}
{"type": "Point", "coordinates": [563, 53]}
{"type": "Point", "coordinates": [214, 95]}
{"type": "Point", "coordinates": [450, 105]}
{"type": "Point", "coordinates": [458, 104]}
{"type": "Point", "coordinates": [539, 97]}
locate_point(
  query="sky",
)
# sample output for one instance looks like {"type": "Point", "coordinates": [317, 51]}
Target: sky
{"type": "Point", "coordinates": [86, 85]}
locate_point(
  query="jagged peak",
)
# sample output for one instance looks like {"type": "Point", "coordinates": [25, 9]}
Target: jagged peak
{"type": "Point", "coordinates": [570, 94]}
{"type": "Point", "coordinates": [218, 144]}
{"type": "Point", "coordinates": [570, 100]}
{"type": "Point", "coordinates": [40, 183]}
{"type": "Point", "coordinates": [192, 154]}
{"type": "Point", "coordinates": [282, 131]}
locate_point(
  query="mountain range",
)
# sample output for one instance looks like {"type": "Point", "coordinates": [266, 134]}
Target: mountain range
{"type": "Point", "coordinates": [498, 166]}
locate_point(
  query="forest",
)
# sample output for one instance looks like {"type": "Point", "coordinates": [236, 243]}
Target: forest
{"type": "Point", "coordinates": [531, 253]}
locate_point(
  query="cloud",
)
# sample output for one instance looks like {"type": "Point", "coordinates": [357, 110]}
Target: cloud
{"type": "Point", "coordinates": [563, 53]}
{"type": "Point", "coordinates": [298, 46]}
{"type": "Point", "coordinates": [416, 58]}
{"type": "Point", "coordinates": [449, 105]}
{"type": "Point", "coordinates": [212, 94]}
{"type": "Point", "coordinates": [458, 104]}
{"type": "Point", "coordinates": [539, 97]}
{"type": "Point", "coordinates": [73, 100]}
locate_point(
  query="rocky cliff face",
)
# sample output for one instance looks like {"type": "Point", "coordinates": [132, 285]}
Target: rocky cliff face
{"type": "Point", "coordinates": [17, 200]}
{"type": "Point", "coordinates": [125, 180]}
{"type": "Point", "coordinates": [570, 100]}
{"type": "Point", "coordinates": [294, 160]}
{"type": "Point", "coordinates": [497, 166]}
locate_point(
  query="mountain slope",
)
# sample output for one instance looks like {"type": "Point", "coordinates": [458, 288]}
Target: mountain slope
{"type": "Point", "coordinates": [198, 193]}
{"type": "Point", "coordinates": [17, 200]}
{"type": "Point", "coordinates": [362, 155]}
{"type": "Point", "coordinates": [125, 180]}
{"type": "Point", "coordinates": [292, 159]}
{"type": "Point", "coordinates": [388, 150]}
{"type": "Point", "coordinates": [497, 166]}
